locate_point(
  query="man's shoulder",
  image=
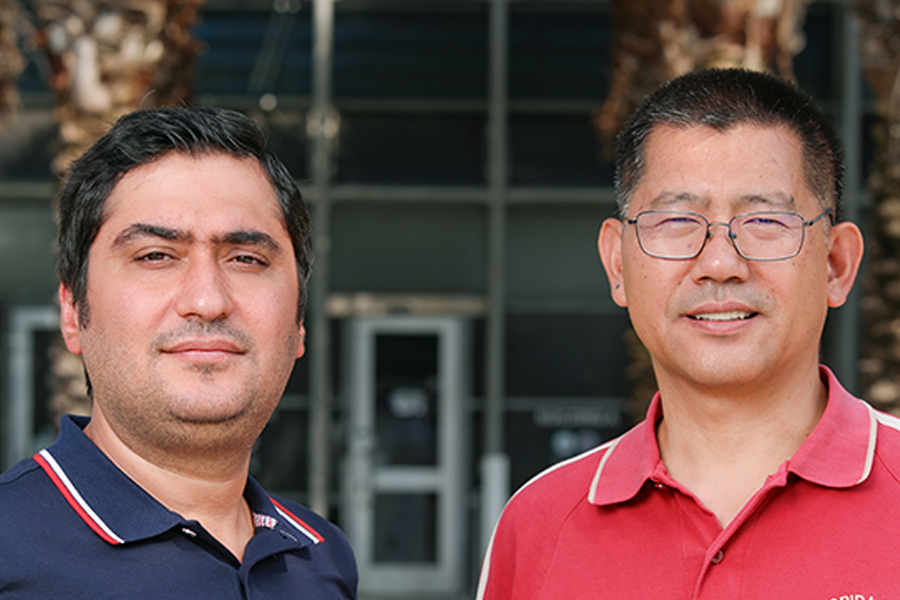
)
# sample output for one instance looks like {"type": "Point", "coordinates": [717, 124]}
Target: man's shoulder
{"type": "Point", "coordinates": [888, 440]}
{"type": "Point", "coordinates": [20, 483]}
{"type": "Point", "coordinates": [17, 471]}
{"type": "Point", "coordinates": [890, 424]}
{"type": "Point", "coordinates": [555, 491]}
{"type": "Point", "coordinates": [32, 513]}
{"type": "Point", "coordinates": [531, 524]}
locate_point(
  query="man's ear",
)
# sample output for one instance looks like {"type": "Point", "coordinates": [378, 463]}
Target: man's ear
{"type": "Point", "coordinates": [69, 323]}
{"type": "Point", "coordinates": [845, 254]}
{"type": "Point", "coordinates": [609, 244]}
{"type": "Point", "coordinates": [301, 344]}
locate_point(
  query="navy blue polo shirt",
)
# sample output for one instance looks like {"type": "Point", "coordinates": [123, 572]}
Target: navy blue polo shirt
{"type": "Point", "coordinates": [72, 525]}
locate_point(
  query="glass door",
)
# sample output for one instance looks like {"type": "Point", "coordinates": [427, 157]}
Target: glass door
{"type": "Point", "coordinates": [404, 487]}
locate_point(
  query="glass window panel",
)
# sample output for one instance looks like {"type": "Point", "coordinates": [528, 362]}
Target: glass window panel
{"type": "Point", "coordinates": [560, 51]}
{"type": "Point", "coordinates": [281, 456]}
{"type": "Point", "coordinates": [406, 400]}
{"type": "Point", "coordinates": [299, 379]}
{"type": "Point", "coordinates": [566, 355]}
{"type": "Point", "coordinates": [552, 253]}
{"type": "Point", "coordinates": [560, 149]}
{"type": "Point", "coordinates": [232, 41]}
{"type": "Point", "coordinates": [416, 52]}
{"type": "Point", "coordinates": [46, 344]}
{"type": "Point", "coordinates": [549, 433]}
{"type": "Point", "coordinates": [435, 149]}
{"type": "Point", "coordinates": [298, 383]}
{"type": "Point", "coordinates": [815, 66]}
{"type": "Point", "coordinates": [28, 145]}
{"type": "Point", "coordinates": [408, 249]}
{"type": "Point", "coordinates": [405, 528]}
{"type": "Point", "coordinates": [27, 233]}
{"type": "Point", "coordinates": [286, 131]}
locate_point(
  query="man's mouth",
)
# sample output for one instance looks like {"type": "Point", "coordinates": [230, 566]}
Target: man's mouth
{"type": "Point", "coordinates": [733, 315]}
{"type": "Point", "coordinates": [213, 346]}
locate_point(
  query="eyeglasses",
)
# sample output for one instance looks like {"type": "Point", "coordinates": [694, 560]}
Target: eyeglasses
{"type": "Point", "coordinates": [763, 236]}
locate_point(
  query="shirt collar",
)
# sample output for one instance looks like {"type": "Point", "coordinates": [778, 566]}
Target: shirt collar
{"type": "Point", "coordinates": [838, 453]}
{"type": "Point", "coordinates": [840, 450]}
{"type": "Point", "coordinates": [120, 511]}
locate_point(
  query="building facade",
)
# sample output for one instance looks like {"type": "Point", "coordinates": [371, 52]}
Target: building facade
{"type": "Point", "coordinates": [461, 335]}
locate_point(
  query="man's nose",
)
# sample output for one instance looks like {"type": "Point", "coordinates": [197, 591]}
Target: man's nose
{"type": "Point", "coordinates": [719, 259]}
{"type": "Point", "coordinates": [205, 292]}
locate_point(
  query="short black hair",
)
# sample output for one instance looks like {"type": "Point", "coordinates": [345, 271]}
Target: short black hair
{"type": "Point", "coordinates": [142, 137]}
{"type": "Point", "coordinates": [724, 98]}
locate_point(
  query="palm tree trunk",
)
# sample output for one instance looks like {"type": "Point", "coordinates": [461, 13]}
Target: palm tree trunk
{"type": "Point", "coordinates": [11, 61]}
{"type": "Point", "coordinates": [111, 57]}
{"type": "Point", "coordinates": [880, 362]}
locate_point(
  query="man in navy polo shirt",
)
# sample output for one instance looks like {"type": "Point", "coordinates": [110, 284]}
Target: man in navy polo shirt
{"type": "Point", "coordinates": [184, 252]}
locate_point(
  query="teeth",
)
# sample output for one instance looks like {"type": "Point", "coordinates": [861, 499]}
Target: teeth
{"type": "Point", "coordinates": [734, 315]}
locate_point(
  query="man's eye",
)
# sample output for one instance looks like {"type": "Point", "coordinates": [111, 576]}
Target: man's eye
{"type": "Point", "coordinates": [249, 259]}
{"type": "Point", "coordinates": [154, 256]}
{"type": "Point", "coordinates": [679, 221]}
{"type": "Point", "coordinates": [765, 221]}
{"type": "Point", "coordinates": [766, 224]}
{"type": "Point", "coordinates": [678, 225]}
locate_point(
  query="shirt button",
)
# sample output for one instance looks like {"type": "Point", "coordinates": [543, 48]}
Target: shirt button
{"type": "Point", "coordinates": [659, 486]}
{"type": "Point", "coordinates": [719, 557]}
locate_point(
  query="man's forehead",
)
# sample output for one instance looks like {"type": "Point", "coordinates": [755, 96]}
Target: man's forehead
{"type": "Point", "coordinates": [154, 181]}
{"type": "Point", "coordinates": [157, 200]}
{"type": "Point", "coordinates": [148, 172]}
{"type": "Point", "coordinates": [773, 199]}
{"type": "Point", "coordinates": [751, 164]}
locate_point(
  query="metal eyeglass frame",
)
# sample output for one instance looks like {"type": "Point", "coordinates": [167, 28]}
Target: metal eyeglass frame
{"type": "Point", "coordinates": [731, 235]}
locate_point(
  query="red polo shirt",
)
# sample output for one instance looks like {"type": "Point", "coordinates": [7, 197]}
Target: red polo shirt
{"type": "Point", "coordinates": [611, 523]}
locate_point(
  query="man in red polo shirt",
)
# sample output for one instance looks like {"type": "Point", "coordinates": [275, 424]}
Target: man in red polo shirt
{"type": "Point", "coordinates": [755, 474]}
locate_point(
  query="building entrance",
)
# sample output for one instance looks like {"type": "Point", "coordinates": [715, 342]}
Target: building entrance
{"type": "Point", "coordinates": [404, 485]}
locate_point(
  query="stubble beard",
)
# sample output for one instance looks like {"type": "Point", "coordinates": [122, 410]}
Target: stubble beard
{"type": "Point", "coordinates": [165, 431]}
{"type": "Point", "coordinates": [206, 427]}
{"type": "Point", "coordinates": [182, 432]}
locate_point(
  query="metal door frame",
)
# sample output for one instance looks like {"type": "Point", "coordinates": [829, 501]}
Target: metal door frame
{"type": "Point", "coordinates": [24, 321]}
{"type": "Point", "coordinates": [362, 479]}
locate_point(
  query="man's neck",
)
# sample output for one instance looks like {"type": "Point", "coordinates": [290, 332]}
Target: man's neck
{"type": "Point", "coordinates": [211, 493]}
{"type": "Point", "coordinates": [723, 446]}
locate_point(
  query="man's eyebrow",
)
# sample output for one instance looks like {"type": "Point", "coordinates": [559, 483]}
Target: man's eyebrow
{"type": "Point", "coordinates": [249, 238]}
{"type": "Point", "coordinates": [776, 200]}
{"type": "Point", "coordinates": [668, 199]}
{"type": "Point", "coordinates": [140, 230]}
{"type": "Point", "coordinates": [240, 237]}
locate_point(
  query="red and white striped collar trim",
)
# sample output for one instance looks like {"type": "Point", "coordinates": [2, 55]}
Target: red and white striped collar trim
{"type": "Point", "coordinates": [73, 497]}
{"type": "Point", "coordinates": [62, 482]}
{"type": "Point", "coordinates": [297, 522]}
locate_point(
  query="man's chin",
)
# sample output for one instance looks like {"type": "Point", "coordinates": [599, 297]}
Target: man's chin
{"type": "Point", "coordinates": [227, 416]}
{"type": "Point", "coordinates": [203, 418]}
